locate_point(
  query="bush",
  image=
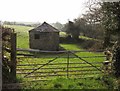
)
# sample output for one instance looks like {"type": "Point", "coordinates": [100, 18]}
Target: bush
{"type": "Point", "coordinates": [116, 64]}
{"type": "Point", "coordinates": [96, 46]}
{"type": "Point", "coordinates": [92, 45]}
{"type": "Point", "coordinates": [89, 44]}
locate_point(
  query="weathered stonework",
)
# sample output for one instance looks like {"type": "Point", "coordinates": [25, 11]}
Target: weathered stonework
{"type": "Point", "coordinates": [48, 38]}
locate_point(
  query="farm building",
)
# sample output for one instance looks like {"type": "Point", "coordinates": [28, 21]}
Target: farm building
{"type": "Point", "coordinates": [44, 37]}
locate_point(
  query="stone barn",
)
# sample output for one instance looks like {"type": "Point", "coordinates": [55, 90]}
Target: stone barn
{"type": "Point", "coordinates": [44, 37]}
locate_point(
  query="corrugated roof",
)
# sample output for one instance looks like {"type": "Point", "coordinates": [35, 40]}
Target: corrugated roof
{"type": "Point", "coordinates": [45, 27]}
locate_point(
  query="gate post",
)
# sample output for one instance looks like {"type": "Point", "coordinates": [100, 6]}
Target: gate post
{"type": "Point", "coordinates": [13, 56]}
{"type": "Point", "coordinates": [0, 58]}
{"type": "Point", "coordinates": [68, 64]}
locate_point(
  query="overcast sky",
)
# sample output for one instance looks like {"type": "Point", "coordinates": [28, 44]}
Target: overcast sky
{"type": "Point", "coordinates": [50, 11]}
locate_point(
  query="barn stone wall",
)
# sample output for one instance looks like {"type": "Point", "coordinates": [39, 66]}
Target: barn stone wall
{"type": "Point", "coordinates": [47, 40]}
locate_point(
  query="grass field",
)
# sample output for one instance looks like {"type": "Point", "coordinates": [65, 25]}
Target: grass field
{"type": "Point", "coordinates": [58, 82]}
{"type": "Point", "coordinates": [22, 35]}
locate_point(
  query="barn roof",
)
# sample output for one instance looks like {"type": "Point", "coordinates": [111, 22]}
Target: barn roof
{"type": "Point", "coordinates": [45, 27]}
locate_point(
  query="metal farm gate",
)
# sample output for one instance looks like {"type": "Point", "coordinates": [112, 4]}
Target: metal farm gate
{"type": "Point", "coordinates": [38, 65]}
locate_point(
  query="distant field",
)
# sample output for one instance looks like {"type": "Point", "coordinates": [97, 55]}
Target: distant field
{"type": "Point", "coordinates": [22, 42]}
{"type": "Point", "coordinates": [22, 35]}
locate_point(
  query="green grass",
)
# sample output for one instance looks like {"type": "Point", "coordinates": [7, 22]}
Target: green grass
{"type": "Point", "coordinates": [22, 35]}
{"type": "Point", "coordinates": [22, 42]}
{"type": "Point", "coordinates": [71, 84]}
{"type": "Point", "coordinates": [86, 38]}
{"type": "Point", "coordinates": [63, 34]}
{"type": "Point", "coordinates": [70, 46]}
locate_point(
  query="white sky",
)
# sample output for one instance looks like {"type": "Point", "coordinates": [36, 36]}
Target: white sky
{"type": "Point", "coordinates": [50, 11]}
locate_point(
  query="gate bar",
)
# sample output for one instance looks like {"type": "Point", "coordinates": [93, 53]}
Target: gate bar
{"type": "Point", "coordinates": [86, 61]}
{"type": "Point", "coordinates": [41, 66]}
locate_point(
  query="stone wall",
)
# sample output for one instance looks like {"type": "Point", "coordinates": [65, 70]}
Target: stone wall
{"type": "Point", "coordinates": [47, 41]}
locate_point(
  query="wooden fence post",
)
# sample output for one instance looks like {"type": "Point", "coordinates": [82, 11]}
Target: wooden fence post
{"type": "Point", "coordinates": [68, 64]}
{"type": "Point", "coordinates": [13, 56]}
{"type": "Point", "coordinates": [0, 58]}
